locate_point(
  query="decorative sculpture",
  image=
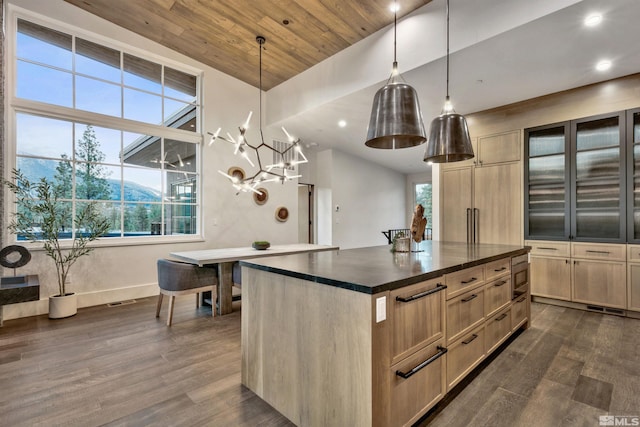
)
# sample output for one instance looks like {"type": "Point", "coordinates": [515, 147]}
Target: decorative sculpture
{"type": "Point", "coordinates": [418, 224]}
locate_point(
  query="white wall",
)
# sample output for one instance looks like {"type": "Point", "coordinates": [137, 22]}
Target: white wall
{"type": "Point", "coordinates": [356, 200]}
{"type": "Point", "coordinates": [123, 272]}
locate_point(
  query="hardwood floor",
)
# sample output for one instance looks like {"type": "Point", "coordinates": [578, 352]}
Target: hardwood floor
{"type": "Point", "coordinates": [121, 366]}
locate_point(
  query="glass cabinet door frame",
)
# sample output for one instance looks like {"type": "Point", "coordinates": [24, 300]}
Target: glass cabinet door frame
{"type": "Point", "coordinates": [621, 178]}
{"type": "Point", "coordinates": [630, 142]}
{"type": "Point", "coordinates": [567, 176]}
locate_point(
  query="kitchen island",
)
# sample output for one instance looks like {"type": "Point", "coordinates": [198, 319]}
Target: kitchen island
{"type": "Point", "coordinates": [366, 337]}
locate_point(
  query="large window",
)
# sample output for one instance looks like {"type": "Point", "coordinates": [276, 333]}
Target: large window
{"type": "Point", "coordinates": [423, 197]}
{"type": "Point", "coordinates": [108, 127]}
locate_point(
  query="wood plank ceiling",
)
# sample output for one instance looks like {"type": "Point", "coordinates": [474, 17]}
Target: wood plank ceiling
{"type": "Point", "coordinates": [222, 33]}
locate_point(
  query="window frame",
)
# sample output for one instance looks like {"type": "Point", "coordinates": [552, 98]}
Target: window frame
{"type": "Point", "coordinates": [15, 106]}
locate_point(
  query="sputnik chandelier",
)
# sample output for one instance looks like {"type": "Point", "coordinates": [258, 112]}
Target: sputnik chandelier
{"type": "Point", "coordinates": [277, 172]}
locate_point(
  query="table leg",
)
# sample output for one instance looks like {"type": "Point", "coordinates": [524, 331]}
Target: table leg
{"type": "Point", "coordinates": [225, 285]}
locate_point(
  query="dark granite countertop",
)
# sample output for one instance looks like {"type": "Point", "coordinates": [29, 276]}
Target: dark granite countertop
{"type": "Point", "coordinates": [376, 269]}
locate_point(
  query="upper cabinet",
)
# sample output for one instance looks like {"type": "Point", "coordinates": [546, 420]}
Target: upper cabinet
{"type": "Point", "coordinates": [575, 180]}
{"type": "Point", "coordinates": [491, 150]}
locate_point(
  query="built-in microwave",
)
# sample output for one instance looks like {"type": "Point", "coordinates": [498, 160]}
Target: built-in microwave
{"type": "Point", "coordinates": [520, 275]}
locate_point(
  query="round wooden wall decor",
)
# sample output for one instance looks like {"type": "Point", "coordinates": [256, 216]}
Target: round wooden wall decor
{"type": "Point", "coordinates": [282, 214]}
{"type": "Point", "coordinates": [262, 197]}
{"type": "Point", "coordinates": [236, 172]}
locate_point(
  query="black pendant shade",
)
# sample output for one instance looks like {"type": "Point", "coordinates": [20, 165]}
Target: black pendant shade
{"type": "Point", "coordinates": [448, 139]}
{"type": "Point", "coordinates": [395, 120]}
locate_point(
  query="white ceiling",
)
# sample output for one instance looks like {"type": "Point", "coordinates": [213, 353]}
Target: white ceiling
{"type": "Point", "coordinates": [502, 51]}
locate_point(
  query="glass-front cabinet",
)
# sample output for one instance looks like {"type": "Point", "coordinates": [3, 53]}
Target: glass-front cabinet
{"type": "Point", "coordinates": [633, 175]}
{"type": "Point", "coordinates": [546, 178]}
{"type": "Point", "coordinates": [575, 180]}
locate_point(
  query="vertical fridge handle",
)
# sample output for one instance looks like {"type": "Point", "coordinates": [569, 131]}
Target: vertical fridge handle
{"type": "Point", "coordinates": [468, 225]}
{"type": "Point", "coordinates": [476, 231]}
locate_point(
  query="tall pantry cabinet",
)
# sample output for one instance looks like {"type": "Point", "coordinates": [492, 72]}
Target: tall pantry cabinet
{"type": "Point", "coordinates": [481, 198]}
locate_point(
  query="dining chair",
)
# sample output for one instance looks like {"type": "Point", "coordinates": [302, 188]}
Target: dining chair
{"type": "Point", "coordinates": [177, 278]}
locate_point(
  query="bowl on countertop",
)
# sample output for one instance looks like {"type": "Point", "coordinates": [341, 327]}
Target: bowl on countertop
{"type": "Point", "coordinates": [261, 246]}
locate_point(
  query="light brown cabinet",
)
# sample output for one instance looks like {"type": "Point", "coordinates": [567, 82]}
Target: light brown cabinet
{"type": "Point", "coordinates": [594, 274]}
{"type": "Point", "coordinates": [464, 355]}
{"type": "Point", "coordinates": [600, 283]}
{"type": "Point", "coordinates": [417, 316]}
{"type": "Point", "coordinates": [551, 277]}
{"type": "Point", "coordinates": [497, 295]}
{"type": "Point", "coordinates": [498, 328]}
{"type": "Point", "coordinates": [482, 202]}
{"type": "Point", "coordinates": [414, 390]}
{"type": "Point", "coordinates": [464, 312]}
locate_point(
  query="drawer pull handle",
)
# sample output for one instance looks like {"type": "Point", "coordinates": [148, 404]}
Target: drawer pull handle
{"type": "Point", "coordinates": [522, 299]}
{"type": "Point", "coordinates": [474, 296]}
{"type": "Point", "coordinates": [500, 269]}
{"type": "Point", "coordinates": [473, 337]}
{"type": "Point", "coordinates": [501, 317]}
{"type": "Point", "coordinates": [497, 285]}
{"type": "Point", "coordinates": [548, 249]}
{"type": "Point", "coordinates": [439, 354]}
{"type": "Point", "coordinates": [473, 279]}
{"type": "Point", "coordinates": [598, 252]}
{"type": "Point", "coordinates": [422, 294]}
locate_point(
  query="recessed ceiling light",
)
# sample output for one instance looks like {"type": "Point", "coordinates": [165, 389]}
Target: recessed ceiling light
{"type": "Point", "coordinates": [342, 123]}
{"type": "Point", "coordinates": [603, 65]}
{"type": "Point", "coordinates": [394, 7]}
{"type": "Point", "coordinates": [593, 19]}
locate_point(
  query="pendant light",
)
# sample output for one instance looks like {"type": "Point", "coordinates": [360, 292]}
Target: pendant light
{"type": "Point", "coordinates": [449, 139]}
{"type": "Point", "coordinates": [286, 158]}
{"type": "Point", "coordinates": [396, 120]}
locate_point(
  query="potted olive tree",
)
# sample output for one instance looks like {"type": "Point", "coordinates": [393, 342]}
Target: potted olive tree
{"type": "Point", "coordinates": [41, 217]}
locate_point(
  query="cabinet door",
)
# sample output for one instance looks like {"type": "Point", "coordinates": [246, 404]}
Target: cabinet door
{"type": "Point", "coordinates": [498, 204]}
{"type": "Point", "coordinates": [464, 313]}
{"type": "Point", "coordinates": [600, 283]}
{"type": "Point", "coordinates": [416, 384]}
{"type": "Point", "coordinates": [501, 148]}
{"type": "Point", "coordinates": [633, 175]}
{"type": "Point", "coordinates": [551, 277]}
{"type": "Point", "coordinates": [456, 204]}
{"type": "Point", "coordinates": [597, 179]}
{"type": "Point", "coordinates": [633, 302]}
{"type": "Point", "coordinates": [417, 316]}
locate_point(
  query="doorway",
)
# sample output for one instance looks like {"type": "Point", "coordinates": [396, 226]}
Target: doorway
{"type": "Point", "coordinates": [305, 213]}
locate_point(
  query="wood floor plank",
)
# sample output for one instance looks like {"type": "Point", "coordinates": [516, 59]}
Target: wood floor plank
{"type": "Point", "coordinates": [120, 366]}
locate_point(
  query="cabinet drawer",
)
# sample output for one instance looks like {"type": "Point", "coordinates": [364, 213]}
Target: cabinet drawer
{"type": "Point", "coordinates": [497, 329]}
{"type": "Point", "coordinates": [460, 281]}
{"type": "Point", "coordinates": [519, 311]}
{"type": "Point", "coordinates": [497, 268]}
{"type": "Point", "coordinates": [633, 253]}
{"type": "Point", "coordinates": [497, 294]}
{"type": "Point", "coordinates": [551, 277]}
{"type": "Point", "coordinates": [423, 386]}
{"type": "Point", "coordinates": [464, 355]}
{"type": "Point", "coordinates": [599, 251]}
{"type": "Point", "coordinates": [464, 313]}
{"type": "Point", "coordinates": [542, 247]}
{"type": "Point", "coordinates": [417, 316]}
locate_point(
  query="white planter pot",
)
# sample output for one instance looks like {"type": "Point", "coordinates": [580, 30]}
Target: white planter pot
{"type": "Point", "coordinates": [61, 306]}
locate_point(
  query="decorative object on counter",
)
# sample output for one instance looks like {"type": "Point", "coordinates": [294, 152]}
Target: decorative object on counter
{"type": "Point", "coordinates": [418, 224]}
{"type": "Point", "coordinates": [449, 139]}
{"type": "Point", "coordinates": [282, 214]}
{"type": "Point", "coordinates": [396, 120]}
{"type": "Point", "coordinates": [261, 196]}
{"type": "Point", "coordinates": [287, 157]}
{"type": "Point", "coordinates": [260, 245]}
{"type": "Point", "coordinates": [39, 201]}
{"type": "Point", "coordinates": [401, 243]}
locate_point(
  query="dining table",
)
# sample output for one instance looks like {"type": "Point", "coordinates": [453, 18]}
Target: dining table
{"type": "Point", "coordinates": [225, 257]}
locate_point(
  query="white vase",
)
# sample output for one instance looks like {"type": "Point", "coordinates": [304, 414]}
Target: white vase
{"type": "Point", "coordinates": [61, 306]}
